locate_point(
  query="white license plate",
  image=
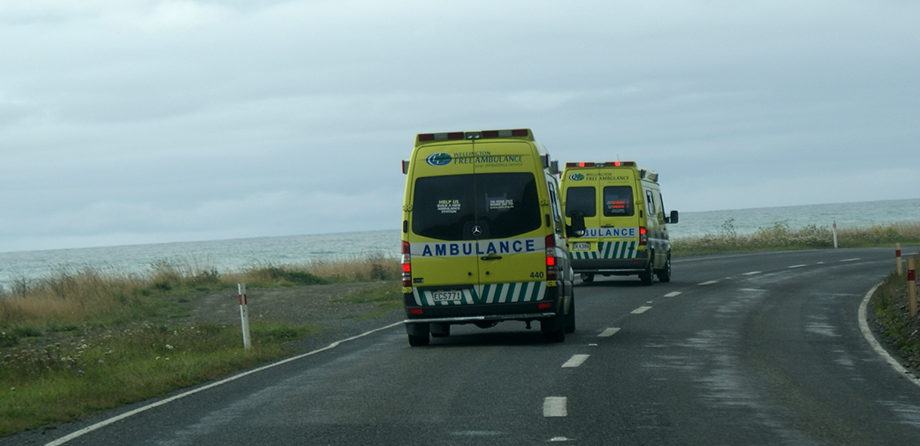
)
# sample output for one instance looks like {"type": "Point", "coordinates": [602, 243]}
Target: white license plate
{"type": "Point", "coordinates": [582, 246]}
{"type": "Point", "coordinates": [447, 296]}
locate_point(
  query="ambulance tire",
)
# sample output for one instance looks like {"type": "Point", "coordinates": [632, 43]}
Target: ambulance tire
{"type": "Point", "coordinates": [646, 276]}
{"type": "Point", "coordinates": [664, 274]}
{"type": "Point", "coordinates": [570, 318]}
{"type": "Point", "coordinates": [558, 322]}
{"type": "Point", "coordinates": [418, 334]}
{"type": "Point", "coordinates": [419, 341]}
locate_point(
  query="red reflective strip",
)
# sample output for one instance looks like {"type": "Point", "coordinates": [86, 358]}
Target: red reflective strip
{"type": "Point", "coordinates": [544, 305]}
{"type": "Point", "coordinates": [455, 135]}
{"type": "Point", "coordinates": [897, 253]}
{"type": "Point", "coordinates": [910, 275]}
{"type": "Point", "coordinates": [426, 137]}
{"type": "Point", "coordinates": [490, 134]}
{"type": "Point", "coordinates": [519, 132]}
{"type": "Point", "coordinates": [415, 311]}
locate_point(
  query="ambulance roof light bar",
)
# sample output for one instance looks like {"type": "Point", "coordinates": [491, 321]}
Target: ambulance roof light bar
{"type": "Point", "coordinates": [525, 133]}
{"type": "Point", "coordinates": [607, 164]}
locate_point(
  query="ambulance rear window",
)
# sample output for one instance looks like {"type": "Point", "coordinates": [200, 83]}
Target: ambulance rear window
{"type": "Point", "coordinates": [503, 205]}
{"type": "Point", "coordinates": [618, 201]}
{"type": "Point", "coordinates": [581, 199]}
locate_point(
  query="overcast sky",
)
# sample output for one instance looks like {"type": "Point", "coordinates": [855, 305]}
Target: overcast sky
{"type": "Point", "coordinates": [143, 121]}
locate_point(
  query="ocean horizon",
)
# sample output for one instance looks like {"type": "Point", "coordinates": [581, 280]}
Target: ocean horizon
{"type": "Point", "coordinates": [238, 254]}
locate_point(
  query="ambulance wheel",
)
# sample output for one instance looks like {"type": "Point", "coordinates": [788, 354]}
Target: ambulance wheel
{"type": "Point", "coordinates": [570, 318]}
{"type": "Point", "coordinates": [418, 341]}
{"type": "Point", "coordinates": [646, 276]}
{"type": "Point", "coordinates": [554, 328]}
{"type": "Point", "coordinates": [587, 277]}
{"type": "Point", "coordinates": [664, 274]}
{"type": "Point", "coordinates": [418, 334]}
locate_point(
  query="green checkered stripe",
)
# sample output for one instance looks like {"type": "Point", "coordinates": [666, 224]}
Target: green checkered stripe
{"type": "Point", "coordinates": [608, 250]}
{"type": "Point", "coordinates": [489, 294]}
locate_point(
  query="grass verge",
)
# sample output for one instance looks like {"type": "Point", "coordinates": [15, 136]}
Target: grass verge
{"type": "Point", "coordinates": [80, 342]}
{"type": "Point", "coordinates": [893, 320]}
{"type": "Point", "coordinates": [781, 236]}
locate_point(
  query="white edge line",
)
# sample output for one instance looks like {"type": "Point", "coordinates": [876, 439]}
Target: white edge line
{"type": "Point", "coordinates": [751, 273]}
{"type": "Point", "coordinates": [112, 420]}
{"type": "Point", "coordinates": [796, 266]}
{"type": "Point", "coordinates": [711, 282]}
{"type": "Point", "coordinates": [864, 328]}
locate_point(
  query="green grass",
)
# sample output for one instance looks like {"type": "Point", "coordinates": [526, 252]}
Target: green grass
{"type": "Point", "coordinates": [92, 371]}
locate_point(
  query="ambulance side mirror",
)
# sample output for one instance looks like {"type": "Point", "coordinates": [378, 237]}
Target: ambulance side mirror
{"type": "Point", "coordinates": [577, 229]}
{"type": "Point", "coordinates": [673, 218]}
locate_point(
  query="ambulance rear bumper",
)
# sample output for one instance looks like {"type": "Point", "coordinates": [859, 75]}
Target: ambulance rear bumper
{"type": "Point", "coordinates": [483, 318]}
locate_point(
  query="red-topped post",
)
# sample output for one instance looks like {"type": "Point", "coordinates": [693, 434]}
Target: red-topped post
{"type": "Point", "coordinates": [244, 315]}
{"type": "Point", "coordinates": [897, 255]}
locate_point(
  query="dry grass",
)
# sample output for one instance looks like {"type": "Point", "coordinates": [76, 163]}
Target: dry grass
{"type": "Point", "coordinates": [781, 236]}
{"type": "Point", "coordinates": [92, 296]}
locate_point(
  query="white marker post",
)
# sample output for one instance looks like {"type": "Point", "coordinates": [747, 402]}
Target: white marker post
{"type": "Point", "coordinates": [911, 287]}
{"type": "Point", "coordinates": [835, 233]}
{"type": "Point", "coordinates": [897, 255]}
{"type": "Point", "coordinates": [244, 315]}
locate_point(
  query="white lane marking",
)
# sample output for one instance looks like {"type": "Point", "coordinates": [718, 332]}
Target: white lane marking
{"type": "Point", "coordinates": [864, 328]}
{"type": "Point", "coordinates": [711, 282]}
{"type": "Point", "coordinates": [673, 294]}
{"type": "Point", "coordinates": [609, 332]}
{"type": "Point", "coordinates": [575, 361]}
{"type": "Point", "coordinates": [797, 266]}
{"type": "Point", "coordinates": [641, 310]}
{"type": "Point", "coordinates": [851, 260]}
{"type": "Point", "coordinates": [105, 423]}
{"type": "Point", "coordinates": [751, 273]}
{"type": "Point", "coordinates": [555, 406]}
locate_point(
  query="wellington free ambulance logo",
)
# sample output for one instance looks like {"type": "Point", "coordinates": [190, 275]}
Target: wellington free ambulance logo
{"type": "Point", "coordinates": [438, 159]}
{"type": "Point", "coordinates": [577, 176]}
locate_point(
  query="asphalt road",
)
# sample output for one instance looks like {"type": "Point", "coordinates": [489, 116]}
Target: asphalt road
{"type": "Point", "coordinates": [746, 349]}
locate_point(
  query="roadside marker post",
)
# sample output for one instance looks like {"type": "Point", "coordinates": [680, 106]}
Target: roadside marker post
{"type": "Point", "coordinates": [244, 315]}
{"type": "Point", "coordinates": [911, 287]}
{"type": "Point", "coordinates": [897, 255]}
{"type": "Point", "coordinates": [835, 233]}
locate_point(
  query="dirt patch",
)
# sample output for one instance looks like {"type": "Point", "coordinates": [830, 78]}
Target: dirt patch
{"type": "Point", "coordinates": [323, 306]}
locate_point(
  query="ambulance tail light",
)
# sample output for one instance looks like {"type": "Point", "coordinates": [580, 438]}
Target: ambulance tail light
{"type": "Point", "coordinates": [551, 264]}
{"type": "Point", "coordinates": [643, 236]}
{"type": "Point", "coordinates": [406, 264]}
{"type": "Point", "coordinates": [405, 166]}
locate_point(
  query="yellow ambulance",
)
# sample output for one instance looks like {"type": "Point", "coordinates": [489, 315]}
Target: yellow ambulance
{"type": "Point", "coordinates": [483, 236]}
{"type": "Point", "coordinates": [626, 224]}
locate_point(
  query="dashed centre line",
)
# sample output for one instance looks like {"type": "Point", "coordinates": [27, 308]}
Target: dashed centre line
{"type": "Point", "coordinates": [851, 260]}
{"type": "Point", "coordinates": [555, 406]}
{"type": "Point", "coordinates": [711, 282]}
{"type": "Point", "coordinates": [797, 266]}
{"type": "Point", "coordinates": [641, 310]}
{"type": "Point", "coordinates": [673, 294]}
{"type": "Point", "coordinates": [751, 273]}
{"type": "Point", "coordinates": [575, 361]}
{"type": "Point", "coordinates": [609, 332]}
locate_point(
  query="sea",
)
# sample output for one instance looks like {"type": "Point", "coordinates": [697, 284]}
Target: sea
{"type": "Point", "coordinates": [240, 254]}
